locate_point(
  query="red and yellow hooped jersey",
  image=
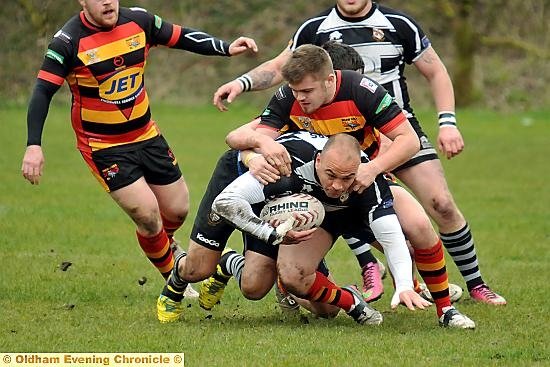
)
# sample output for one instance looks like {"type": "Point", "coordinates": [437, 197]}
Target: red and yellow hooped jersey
{"type": "Point", "coordinates": [361, 108]}
{"type": "Point", "coordinates": [105, 73]}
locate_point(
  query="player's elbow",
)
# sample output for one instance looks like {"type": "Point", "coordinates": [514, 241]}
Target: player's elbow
{"type": "Point", "coordinates": [222, 205]}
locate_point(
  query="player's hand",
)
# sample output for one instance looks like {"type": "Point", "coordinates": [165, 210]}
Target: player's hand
{"type": "Point", "coordinates": [366, 174]}
{"type": "Point", "coordinates": [276, 155]}
{"type": "Point", "coordinates": [285, 233]}
{"type": "Point", "coordinates": [241, 45]}
{"type": "Point", "coordinates": [228, 91]}
{"type": "Point", "coordinates": [262, 171]}
{"type": "Point", "coordinates": [33, 164]}
{"type": "Point", "coordinates": [449, 141]}
{"type": "Point", "coordinates": [409, 298]}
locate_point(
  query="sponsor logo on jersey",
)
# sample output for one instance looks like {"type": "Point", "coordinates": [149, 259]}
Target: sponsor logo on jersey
{"type": "Point", "coordinates": [118, 61]}
{"type": "Point", "coordinates": [350, 123]}
{"type": "Point", "coordinates": [55, 56]}
{"type": "Point", "coordinates": [378, 35]}
{"type": "Point", "coordinates": [369, 84]}
{"type": "Point", "coordinates": [133, 42]}
{"type": "Point", "coordinates": [280, 94]}
{"type": "Point", "coordinates": [122, 86]}
{"type": "Point", "coordinates": [386, 101]}
{"type": "Point", "coordinates": [335, 36]}
{"type": "Point", "coordinates": [158, 21]}
{"type": "Point", "coordinates": [387, 203]}
{"type": "Point", "coordinates": [266, 112]}
{"type": "Point", "coordinates": [111, 172]}
{"type": "Point", "coordinates": [63, 36]}
{"type": "Point", "coordinates": [208, 241]}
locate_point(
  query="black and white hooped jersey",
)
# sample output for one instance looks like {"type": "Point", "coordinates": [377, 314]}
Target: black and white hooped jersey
{"type": "Point", "coordinates": [303, 147]}
{"type": "Point", "coordinates": [385, 38]}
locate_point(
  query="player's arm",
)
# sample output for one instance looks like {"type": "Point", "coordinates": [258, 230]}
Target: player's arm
{"type": "Point", "coordinates": [234, 204]}
{"type": "Point", "coordinates": [50, 78]}
{"type": "Point", "coordinates": [262, 77]}
{"type": "Point", "coordinates": [265, 157]}
{"type": "Point", "coordinates": [164, 33]}
{"type": "Point", "coordinates": [449, 140]}
{"type": "Point", "coordinates": [404, 145]}
{"type": "Point", "coordinates": [386, 116]}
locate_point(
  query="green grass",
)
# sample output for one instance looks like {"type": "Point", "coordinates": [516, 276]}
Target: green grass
{"type": "Point", "coordinates": [499, 182]}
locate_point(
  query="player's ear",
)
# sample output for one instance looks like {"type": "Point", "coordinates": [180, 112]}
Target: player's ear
{"type": "Point", "coordinates": [330, 80]}
{"type": "Point", "coordinates": [317, 160]}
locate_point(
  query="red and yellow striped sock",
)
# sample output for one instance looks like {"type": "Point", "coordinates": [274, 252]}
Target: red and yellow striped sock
{"type": "Point", "coordinates": [324, 291]}
{"type": "Point", "coordinates": [158, 251]}
{"type": "Point", "coordinates": [431, 266]}
{"type": "Point", "coordinates": [170, 227]}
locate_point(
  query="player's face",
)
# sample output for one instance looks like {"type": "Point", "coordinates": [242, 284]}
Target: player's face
{"type": "Point", "coordinates": [101, 13]}
{"type": "Point", "coordinates": [336, 173]}
{"type": "Point", "coordinates": [311, 94]}
{"type": "Point", "coordinates": [354, 8]}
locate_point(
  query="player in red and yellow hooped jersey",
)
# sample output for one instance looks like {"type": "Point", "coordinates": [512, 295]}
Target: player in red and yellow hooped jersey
{"type": "Point", "coordinates": [101, 53]}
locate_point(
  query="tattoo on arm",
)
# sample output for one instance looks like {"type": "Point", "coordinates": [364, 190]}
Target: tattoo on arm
{"type": "Point", "coordinates": [262, 79]}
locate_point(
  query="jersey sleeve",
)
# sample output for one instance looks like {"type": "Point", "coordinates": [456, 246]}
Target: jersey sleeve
{"type": "Point", "coordinates": [413, 38]}
{"type": "Point", "coordinates": [56, 65]}
{"type": "Point", "coordinates": [276, 115]}
{"type": "Point", "coordinates": [59, 59]}
{"type": "Point", "coordinates": [171, 35]}
{"type": "Point", "coordinates": [377, 105]}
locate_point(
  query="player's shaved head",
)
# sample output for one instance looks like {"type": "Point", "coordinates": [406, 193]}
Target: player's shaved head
{"type": "Point", "coordinates": [345, 146]}
{"type": "Point", "coordinates": [337, 164]}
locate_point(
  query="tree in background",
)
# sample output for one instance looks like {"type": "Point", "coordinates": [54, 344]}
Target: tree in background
{"type": "Point", "coordinates": [496, 50]}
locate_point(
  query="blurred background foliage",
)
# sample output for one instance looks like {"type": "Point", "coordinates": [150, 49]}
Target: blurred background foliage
{"type": "Point", "coordinates": [497, 51]}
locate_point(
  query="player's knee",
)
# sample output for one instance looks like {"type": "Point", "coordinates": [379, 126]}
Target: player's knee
{"type": "Point", "coordinates": [420, 233]}
{"type": "Point", "coordinates": [445, 207]}
{"type": "Point", "coordinates": [256, 284]}
{"type": "Point", "coordinates": [253, 292]}
{"type": "Point", "coordinates": [293, 280]}
{"type": "Point", "coordinates": [149, 224]}
{"type": "Point", "coordinates": [192, 273]}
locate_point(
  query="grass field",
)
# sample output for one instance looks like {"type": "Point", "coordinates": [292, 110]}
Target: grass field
{"type": "Point", "coordinates": [96, 305]}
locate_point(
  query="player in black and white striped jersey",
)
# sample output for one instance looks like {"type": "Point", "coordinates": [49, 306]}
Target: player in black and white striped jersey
{"type": "Point", "coordinates": [328, 176]}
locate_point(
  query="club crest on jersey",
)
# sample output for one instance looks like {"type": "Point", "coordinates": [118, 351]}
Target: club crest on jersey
{"type": "Point", "coordinates": [92, 56]}
{"type": "Point", "coordinates": [378, 35]}
{"type": "Point", "coordinates": [335, 36]}
{"type": "Point", "coordinates": [344, 197]}
{"type": "Point", "coordinates": [214, 219]}
{"type": "Point", "coordinates": [305, 122]}
{"type": "Point", "coordinates": [111, 172]}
